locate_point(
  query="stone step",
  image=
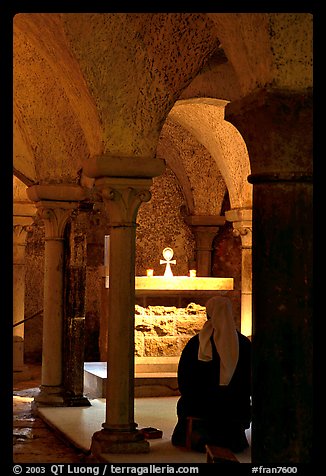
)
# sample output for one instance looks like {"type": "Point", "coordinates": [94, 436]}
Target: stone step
{"type": "Point", "coordinates": [156, 364]}
{"type": "Point", "coordinates": [154, 377]}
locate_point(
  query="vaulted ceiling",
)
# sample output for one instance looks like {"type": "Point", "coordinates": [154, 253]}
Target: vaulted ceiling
{"type": "Point", "coordinates": [146, 84]}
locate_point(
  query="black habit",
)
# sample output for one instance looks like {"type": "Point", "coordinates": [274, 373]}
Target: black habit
{"type": "Point", "coordinates": [225, 410]}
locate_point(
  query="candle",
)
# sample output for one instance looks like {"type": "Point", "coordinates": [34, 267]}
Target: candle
{"type": "Point", "coordinates": [192, 273]}
{"type": "Point", "coordinates": [149, 272]}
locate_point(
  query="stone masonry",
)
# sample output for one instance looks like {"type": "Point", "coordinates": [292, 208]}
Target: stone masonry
{"type": "Point", "coordinates": [164, 331]}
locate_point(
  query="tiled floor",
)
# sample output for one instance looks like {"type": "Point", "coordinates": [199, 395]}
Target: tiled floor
{"type": "Point", "coordinates": [76, 425]}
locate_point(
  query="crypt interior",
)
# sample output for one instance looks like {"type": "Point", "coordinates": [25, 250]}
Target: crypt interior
{"type": "Point", "coordinates": [136, 132]}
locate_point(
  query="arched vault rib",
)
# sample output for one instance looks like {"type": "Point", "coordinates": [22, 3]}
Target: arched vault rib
{"type": "Point", "coordinates": [52, 103]}
{"type": "Point", "coordinates": [167, 150]}
{"type": "Point", "coordinates": [23, 161]}
{"type": "Point", "coordinates": [136, 66]}
{"type": "Point", "coordinates": [197, 172]}
{"type": "Point", "coordinates": [204, 118]}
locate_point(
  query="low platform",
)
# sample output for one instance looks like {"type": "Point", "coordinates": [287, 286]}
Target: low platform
{"type": "Point", "coordinates": [77, 425]}
{"type": "Point", "coordinates": [154, 377]}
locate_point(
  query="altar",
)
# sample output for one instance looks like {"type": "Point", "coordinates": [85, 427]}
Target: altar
{"type": "Point", "coordinates": [178, 290]}
{"type": "Point", "coordinates": [168, 290]}
{"type": "Point", "coordinates": [169, 311]}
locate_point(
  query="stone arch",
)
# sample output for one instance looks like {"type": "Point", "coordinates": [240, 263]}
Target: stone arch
{"type": "Point", "coordinates": [187, 157]}
{"type": "Point", "coordinates": [204, 118]}
{"type": "Point", "coordinates": [166, 143]}
{"type": "Point", "coordinates": [55, 119]}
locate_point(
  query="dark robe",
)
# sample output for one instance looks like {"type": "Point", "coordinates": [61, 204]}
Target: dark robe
{"type": "Point", "coordinates": [225, 411]}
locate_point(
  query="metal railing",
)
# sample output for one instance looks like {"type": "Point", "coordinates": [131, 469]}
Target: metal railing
{"type": "Point", "coordinates": [28, 318]}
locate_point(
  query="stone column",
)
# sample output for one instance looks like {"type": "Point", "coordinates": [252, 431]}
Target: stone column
{"type": "Point", "coordinates": [55, 214]}
{"type": "Point", "coordinates": [205, 228]}
{"type": "Point", "coordinates": [242, 226]}
{"type": "Point", "coordinates": [277, 129]}
{"type": "Point", "coordinates": [23, 218]}
{"type": "Point", "coordinates": [74, 310]}
{"type": "Point", "coordinates": [124, 184]}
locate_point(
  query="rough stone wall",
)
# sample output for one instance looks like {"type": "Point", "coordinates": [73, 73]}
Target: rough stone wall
{"type": "Point", "coordinates": [164, 331]}
{"type": "Point", "coordinates": [161, 224]}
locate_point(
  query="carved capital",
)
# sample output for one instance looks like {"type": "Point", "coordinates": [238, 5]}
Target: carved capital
{"type": "Point", "coordinates": [20, 232]}
{"type": "Point", "coordinates": [245, 233]}
{"type": "Point", "coordinates": [242, 224]}
{"type": "Point", "coordinates": [204, 237]}
{"type": "Point", "coordinates": [55, 216]}
{"type": "Point", "coordinates": [123, 197]}
{"type": "Point", "coordinates": [66, 192]}
{"type": "Point", "coordinates": [19, 243]}
{"type": "Point", "coordinates": [23, 209]}
{"type": "Point", "coordinates": [128, 167]}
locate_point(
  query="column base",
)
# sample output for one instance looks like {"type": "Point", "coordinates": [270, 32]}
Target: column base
{"type": "Point", "coordinates": [18, 354]}
{"type": "Point", "coordinates": [128, 442]}
{"type": "Point", "coordinates": [50, 396]}
{"type": "Point", "coordinates": [56, 397]}
{"type": "Point", "coordinates": [76, 401]}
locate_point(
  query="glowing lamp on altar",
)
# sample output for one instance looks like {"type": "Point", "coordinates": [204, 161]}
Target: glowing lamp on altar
{"type": "Point", "coordinates": [167, 283]}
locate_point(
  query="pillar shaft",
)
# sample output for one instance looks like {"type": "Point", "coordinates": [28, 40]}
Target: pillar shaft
{"type": "Point", "coordinates": [277, 129]}
{"type": "Point", "coordinates": [242, 226]}
{"type": "Point", "coordinates": [204, 239]}
{"type": "Point", "coordinates": [120, 412]}
{"type": "Point", "coordinates": [205, 228]}
{"type": "Point", "coordinates": [282, 328]}
{"type": "Point", "coordinates": [19, 245]}
{"type": "Point", "coordinates": [246, 291]}
{"type": "Point", "coordinates": [122, 198]}
{"type": "Point", "coordinates": [54, 215]}
{"type": "Point", "coordinates": [74, 311]}
{"type": "Point", "coordinates": [124, 184]}
{"type": "Point", "coordinates": [52, 312]}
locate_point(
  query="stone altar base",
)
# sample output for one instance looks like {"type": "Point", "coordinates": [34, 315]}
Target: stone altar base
{"type": "Point", "coordinates": [154, 377]}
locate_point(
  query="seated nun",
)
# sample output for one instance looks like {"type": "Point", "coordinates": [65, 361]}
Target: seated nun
{"type": "Point", "coordinates": [214, 377]}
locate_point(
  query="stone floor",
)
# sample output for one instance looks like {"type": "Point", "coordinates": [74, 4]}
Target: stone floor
{"type": "Point", "coordinates": [67, 433]}
{"type": "Point", "coordinates": [33, 440]}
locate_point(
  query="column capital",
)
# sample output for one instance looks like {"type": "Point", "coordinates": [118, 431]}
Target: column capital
{"type": "Point", "coordinates": [55, 203]}
{"type": "Point", "coordinates": [241, 219]}
{"type": "Point", "coordinates": [205, 220]}
{"type": "Point", "coordinates": [56, 192]}
{"type": "Point", "coordinates": [55, 216]}
{"type": "Point", "coordinates": [20, 230]}
{"type": "Point", "coordinates": [23, 216]}
{"type": "Point", "coordinates": [205, 228]}
{"type": "Point", "coordinates": [276, 126]}
{"type": "Point", "coordinates": [122, 198]}
{"type": "Point", "coordinates": [115, 166]}
{"type": "Point", "coordinates": [245, 233]}
{"type": "Point", "coordinates": [204, 236]}
{"type": "Point", "coordinates": [23, 210]}
{"type": "Point", "coordinates": [239, 214]}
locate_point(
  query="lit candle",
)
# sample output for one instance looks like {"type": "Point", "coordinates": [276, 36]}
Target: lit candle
{"type": "Point", "coordinates": [149, 272]}
{"type": "Point", "coordinates": [192, 273]}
